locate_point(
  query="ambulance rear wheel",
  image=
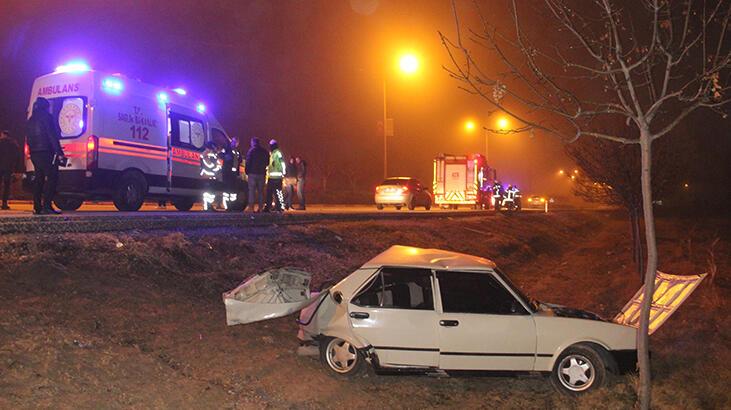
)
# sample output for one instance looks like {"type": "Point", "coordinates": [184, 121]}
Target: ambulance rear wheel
{"type": "Point", "coordinates": [68, 204]}
{"type": "Point", "coordinates": [183, 204]}
{"type": "Point", "coordinates": [130, 192]}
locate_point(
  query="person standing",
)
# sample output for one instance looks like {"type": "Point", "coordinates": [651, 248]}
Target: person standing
{"type": "Point", "coordinates": [231, 160]}
{"type": "Point", "coordinates": [275, 171]}
{"type": "Point", "coordinates": [211, 170]}
{"type": "Point", "coordinates": [9, 162]}
{"type": "Point", "coordinates": [45, 154]}
{"type": "Point", "coordinates": [301, 176]}
{"type": "Point", "coordinates": [290, 182]}
{"type": "Point", "coordinates": [257, 159]}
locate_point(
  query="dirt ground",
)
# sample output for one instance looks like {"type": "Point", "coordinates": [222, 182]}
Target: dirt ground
{"type": "Point", "coordinates": [136, 319]}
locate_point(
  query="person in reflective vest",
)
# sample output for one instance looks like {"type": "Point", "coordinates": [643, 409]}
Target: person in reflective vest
{"type": "Point", "coordinates": [275, 172]}
{"type": "Point", "coordinates": [211, 171]}
{"type": "Point", "coordinates": [497, 193]}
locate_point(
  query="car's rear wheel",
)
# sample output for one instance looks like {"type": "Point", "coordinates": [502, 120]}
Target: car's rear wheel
{"type": "Point", "coordinates": [411, 205]}
{"type": "Point", "coordinates": [398, 207]}
{"type": "Point", "coordinates": [428, 205]}
{"type": "Point", "coordinates": [68, 204]}
{"type": "Point", "coordinates": [579, 369]}
{"type": "Point", "coordinates": [340, 356]}
{"type": "Point", "coordinates": [379, 206]}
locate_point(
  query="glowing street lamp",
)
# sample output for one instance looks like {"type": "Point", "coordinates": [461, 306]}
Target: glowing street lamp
{"type": "Point", "coordinates": [470, 126]}
{"type": "Point", "coordinates": [408, 64]}
{"type": "Point", "coordinates": [503, 124]}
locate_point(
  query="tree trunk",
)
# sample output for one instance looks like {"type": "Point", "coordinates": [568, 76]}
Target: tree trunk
{"type": "Point", "coordinates": [637, 254]}
{"type": "Point", "coordinates": [643, 339]}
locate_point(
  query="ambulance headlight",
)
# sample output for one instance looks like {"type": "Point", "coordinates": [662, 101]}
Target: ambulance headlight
{"type": "Point", "coordinates": [112, 85]}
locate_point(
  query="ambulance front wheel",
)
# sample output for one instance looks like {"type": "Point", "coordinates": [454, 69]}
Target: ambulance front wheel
{"type": "Point", "coordinates": [130, 192]}
{"type": "Point", "coordinates": [68, 204]}
{"type": "Point", "coordinates": [183, 204]}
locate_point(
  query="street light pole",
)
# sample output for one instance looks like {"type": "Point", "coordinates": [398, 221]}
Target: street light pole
{"type": "Point", "coordinates": [487, 138]}
{"type": "Point", "coordinates": [385, 132]}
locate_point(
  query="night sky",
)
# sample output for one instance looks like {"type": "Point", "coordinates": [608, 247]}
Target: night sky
{"type": "Point", "coordinates": [308, 73]}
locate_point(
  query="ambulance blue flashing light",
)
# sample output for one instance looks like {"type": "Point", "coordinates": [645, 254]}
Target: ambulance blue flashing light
{"type": "Point", "coordinates": [201, 108]}
{"type": "Point", "coordinates": [180, 91]}
{"type": "Point", "coordinates": [163, 98]}
{"type": "Point", "coordinates": [112, 85]}
{"type": "Point", "coordinates": [73, 67]}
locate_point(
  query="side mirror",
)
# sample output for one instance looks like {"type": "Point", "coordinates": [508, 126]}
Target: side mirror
{"type": "Point", "coordinates": [338, 297]}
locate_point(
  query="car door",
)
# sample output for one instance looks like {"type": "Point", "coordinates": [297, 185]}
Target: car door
{"type": "Point", "coordinates": [482, 326]}
{"type": "Point", "coordinates": [419, 193]}
{"type": "Point", "coordinates": [394, 312]}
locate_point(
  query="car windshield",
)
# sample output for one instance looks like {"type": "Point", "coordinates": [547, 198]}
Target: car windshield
{"type": "Point", "coordinates": [395, 182]}
{"type": "Point", "coordinates": [532, 303]}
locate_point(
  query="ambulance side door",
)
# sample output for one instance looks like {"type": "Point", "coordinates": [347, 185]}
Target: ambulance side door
{"type": "Point", "coordinates": [187, 140]}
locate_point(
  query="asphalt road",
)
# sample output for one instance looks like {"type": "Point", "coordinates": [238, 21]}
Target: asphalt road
{"type": "Point", "coordinates": [100, 217]}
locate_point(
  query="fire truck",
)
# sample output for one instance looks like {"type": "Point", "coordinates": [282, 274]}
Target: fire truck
{"type": "Point", "coordinates": [462, 180]}
{"type": "Point", "coordinates": [127, 140]}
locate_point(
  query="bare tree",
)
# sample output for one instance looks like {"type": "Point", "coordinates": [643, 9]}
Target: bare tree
{"type": "Point", "coordinates": [647, 63]}
{"type": "Point", "coordinates": [610, 174]}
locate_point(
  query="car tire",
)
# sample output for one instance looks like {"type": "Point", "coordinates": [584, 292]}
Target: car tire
{"type": "Point", "coordinates": [68, 204]}
{"type": "Point", "coordinates": [183, 204]}
{"type": "Point", "coordinates": [340, 357]}
{"type": "Point", "coordinates": [379, 207]}
{"type": "Point", "coordinates": [411, 205]}
{"type": "Point", "coordinates": [428, 205]}
{"type": "Point", "coordinates": [398, 207]}
{"type": "Point", "coordinates": [130, 192]}
{"type": "Point", "coordinates": [579, 369]}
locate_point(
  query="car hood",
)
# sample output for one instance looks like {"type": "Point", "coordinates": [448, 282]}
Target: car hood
{"type": "Point", "coordinates": [563, 311]}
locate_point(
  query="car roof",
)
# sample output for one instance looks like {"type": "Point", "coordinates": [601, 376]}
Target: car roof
{"type": "Point", "coordinates": [399, 255]}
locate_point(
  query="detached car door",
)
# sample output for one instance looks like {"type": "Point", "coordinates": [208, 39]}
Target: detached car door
{"type": "Point", "coordinates": [394, 312]}
{"type": "Point", "coordinates": [482, 325]}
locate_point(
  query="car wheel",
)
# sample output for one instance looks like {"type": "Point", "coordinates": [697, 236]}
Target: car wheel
{"type": "Point", "coordinates": [130, 192]}
{"type": "Point", "coordinates": [411, 205]}
{"type": "Point", "coordinates": [379, 206]}
{"type": "Point", "coordinates": [340, 356]}
{"type": "Point", "coordinates": [579, 368]}
{"type": "Point", "coordinates": [183, 204]}
{"type": "Point", "coordinates": [68, 204]}
{"type": "Point", "coordinates": [398, 207]}
{"type": "Point", "coordinates": [428, 205]}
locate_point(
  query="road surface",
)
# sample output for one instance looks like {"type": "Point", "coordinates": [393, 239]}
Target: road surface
{"type": "Point", "coordinates": [102, 216]}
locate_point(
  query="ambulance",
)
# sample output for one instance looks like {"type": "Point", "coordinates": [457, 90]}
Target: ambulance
{"type": "Point", "coordinates": [127, 140]}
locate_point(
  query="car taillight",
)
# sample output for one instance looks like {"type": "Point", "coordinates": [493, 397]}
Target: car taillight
{"type": "Point", "coordinates": [404, 189]}
{"type": "Point", "coordinates": [92, 152]}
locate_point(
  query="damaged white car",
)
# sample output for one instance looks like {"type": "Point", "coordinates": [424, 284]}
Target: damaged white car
{"type": "Point", "coordinates": [412, 309]}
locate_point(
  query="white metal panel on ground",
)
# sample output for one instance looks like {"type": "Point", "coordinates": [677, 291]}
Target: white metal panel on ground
{"type": "Point", "coordinates": [670, 292]}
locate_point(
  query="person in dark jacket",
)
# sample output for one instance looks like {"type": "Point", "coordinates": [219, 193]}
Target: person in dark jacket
{"type": "Point", "coordinates": [290, 182]}
{"type": "Point", "coordinates": [230, 172]}
{"type": "Point", "coordinates": [45, 154]}
{"type": "Point", "coordinates": [257, 160]}
{"type": "Point", "coordinates": [301, 176]}
{"type": "Point", "coordinates": [9, 163]}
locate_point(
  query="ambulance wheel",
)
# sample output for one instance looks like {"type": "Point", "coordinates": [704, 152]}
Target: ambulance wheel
{"type": "Point", "coordinates": [68, 204]}
{"type": "Point", "coordinates": [183, 204]}
{"type": "Point", "coordinates": [240, 204]}
{"type": "Point", "coordinates": [130, 192]}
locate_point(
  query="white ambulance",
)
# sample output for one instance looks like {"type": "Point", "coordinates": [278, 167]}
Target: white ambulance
{"type": "Point", "coordinates": [126, 140]}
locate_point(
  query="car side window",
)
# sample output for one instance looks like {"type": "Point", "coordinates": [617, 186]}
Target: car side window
{"type": "Point", "coordinates": [467, 292]}
{"type": "Point", "coordinates": [398, 288]}
{"type": "Point", "coordinates": [187, 132]}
